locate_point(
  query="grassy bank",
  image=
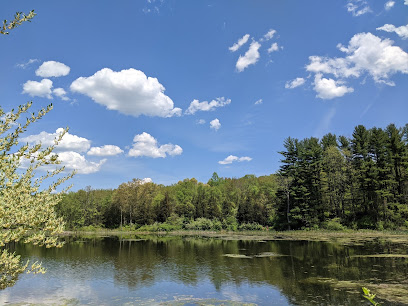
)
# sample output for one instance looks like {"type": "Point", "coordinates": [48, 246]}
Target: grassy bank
{"type": "Point", "coordinates": [349, 236]}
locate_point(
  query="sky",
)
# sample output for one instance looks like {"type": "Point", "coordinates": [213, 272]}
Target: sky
{"type": "Point", "coordinates": [164, 90]}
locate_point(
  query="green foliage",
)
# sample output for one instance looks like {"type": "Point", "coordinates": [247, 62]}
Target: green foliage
{"type": "Point", "coordinates": [333, 225]}
{"type": "Point", "coordinates": [27, 205]}
{"type": "Point", "coordinates": [201, 224]}
{"type": "Point", "coordinates": [230, 224]}
{"type": "Point", "coordinates": [251, 227]}
{"type": "Point", "coordinates": [334, 183]}
{"type": "Point", "coordinates": [19, 18]}
{"type": "Point", "coordinates": [159, 227]}
{"type": "Point", "coordinates": [369, 296]}
{"type": "Point", "coordinates": [362, 181]}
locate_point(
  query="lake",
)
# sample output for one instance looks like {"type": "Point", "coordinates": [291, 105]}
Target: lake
{"type": "Point", "coordinates": [177, 270]}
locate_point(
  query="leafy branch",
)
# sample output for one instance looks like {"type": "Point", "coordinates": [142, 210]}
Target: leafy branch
{"type": "Point", "coordinates": [369, 296]}
{"type": "Point", "coordinates": [19, 18]}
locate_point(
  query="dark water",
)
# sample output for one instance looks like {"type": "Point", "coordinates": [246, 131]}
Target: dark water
{"type": "Point", "coordinates": [209, 271]}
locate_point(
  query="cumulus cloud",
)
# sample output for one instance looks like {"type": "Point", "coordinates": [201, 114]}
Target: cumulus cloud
{"type": "Point", "coordinates": [274, 47]}
{"type": "Point", "coordinates": [129, 91]}
{"type": "Point", "coordinates": [38, 89]}
{"type": "Point", "coordinates": [389, 5]}
{"type": "Point", "coordinates": [257, 102]}
{"type": "Point", "coordinates": [242, 41]}
{"type": "Point", "coordinates": [61, 93]}
{"type": "Point", "coordinates": [28, 63]}
{"type": "Point", "coordinates": [75, 161]}
{"type": "Point", "coordinates": [71, 161]}
{"type": "Point", "coordinates": [358, 7]}
{"type": "Point", "coordinates": [249, 58]}
{"type": "Point", "coordinates": [401, 31]}
{"type": "Point", "coordinates": [52, 69]}
{"type": "Point", "coordinates": [295, 83]}
{"type": "Point", "coordinates": [146, 145]}
{"type": "Point", "coordinates": [206, 106]}
{"type": "Point", "coordinates": [68, 150]}
{"type": "Point", "coordinates": [106, 150]}
{"type": "Point", "coordinates": [406, 2]}
{"type": "Point", "coordinates": [366, 53]}
{"type": "Point", "coordinates": [215, 124]}
{"type": "Point", "coordinates": [68, 143]}
{"type": "Point", "coordinates": [231, 158]}
{"type": "Point", "coordinates": [329, 89]}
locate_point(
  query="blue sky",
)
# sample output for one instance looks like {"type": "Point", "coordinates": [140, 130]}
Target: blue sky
{"type": "Point", "coordinates": [169, 90]}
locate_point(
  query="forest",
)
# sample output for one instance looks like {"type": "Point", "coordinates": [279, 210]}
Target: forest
{"type": "Point", "coordinates": [336, 182]}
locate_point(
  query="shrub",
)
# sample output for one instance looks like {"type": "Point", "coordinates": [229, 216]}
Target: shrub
{"type": "Point", "coordinates": [230, 224]}
{"type": "Point", "coordinates": [200, 224]}
{"type": "Point", "coordinates": [175, 221]}
{"type": "Point", "coordinates": [251, 227]}
{"type": "Point", "coordinates": [158, 227]}
{"type": "Point", "coordinates": [333, 225]}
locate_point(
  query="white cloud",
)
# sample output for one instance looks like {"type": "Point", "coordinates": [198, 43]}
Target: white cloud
{"type": "Point", "coordinates": [231, 158]}
{"type": "Point", "coordinates": [269, 35]}
{"type": "Point", "coordinates": [61, 93]}
{"type": "Point", "coordinates": [69, 142]}
{"type": "Point", "coordinates": [206, 106]}
{"type": "Point", "coordinates": [401, 31]}
{"type": "Point", "coordinates": [329, 89]}
{"type": "Point", "coordinates": [242, 41]}
{"type": "Point", "coordinates": [250, 57]}
{"type": "Point", "coordinates": [28, 63]}
{"type": "Point", "coordinates": [38, 89]}
{"type": "Point", "coordinates": [366, 53]}
{"type": "Point", "coordinates": [146, 145]}
{"type": "Point", "coordinates": [146, 180]}
{"type": "Point", "coordinates": [52, 69]}
{"type": "Point", "coordinates": [406, 2]}
{"type": "Point", "coordinates": [129, 91]}
{"type": "Point", "coordinates": [106, 150]}
{"type": "Point", "coordinates": [75, 161]}
{"type": "Point", "coordinates": [257, 102]}
{"type": "Point", "coordinates": [295, 83]}
{"type": "Point", "coordinates": [274, 47]}
{"type": "Point", "coordinates": [201, 121]}
{"type": "Point", "coordinates": [358, 7]}
{"type": "Point", "coordinates": [68, 151]}
{"type": "Point", "coordinates": [215, 124]}
{"type": "Point", "coordinates": [389, 5]}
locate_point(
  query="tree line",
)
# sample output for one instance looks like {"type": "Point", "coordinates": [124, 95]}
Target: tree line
{"type": "Point", "coordinates": [333, 182]}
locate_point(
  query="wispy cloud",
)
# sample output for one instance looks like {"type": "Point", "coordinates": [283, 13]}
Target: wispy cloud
{"type": "Point", "coordinates": [28, 63]}
{"type": "Point", "coordinates": [401, 31]}
{"type": "Point", "coordinates": [206, 106]}
{"type": "Point", "coordinates": [358, 7]}
{"type": "Point", "coordinates": [242, 41]}
{"type": "Point", "coordinates": [295, 83]}
{"type": "Point", "coordinates": [232, 158]}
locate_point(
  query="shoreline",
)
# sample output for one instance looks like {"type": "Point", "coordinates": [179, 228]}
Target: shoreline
{"type": "Point", "coordinates": [351, 236]}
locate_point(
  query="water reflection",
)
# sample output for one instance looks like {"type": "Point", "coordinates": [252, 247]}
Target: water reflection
{"type": "Point", "coordinates": [137, 270]}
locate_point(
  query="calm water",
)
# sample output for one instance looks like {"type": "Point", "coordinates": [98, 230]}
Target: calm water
{"type": "Point", "coordinates": [201, 271]}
